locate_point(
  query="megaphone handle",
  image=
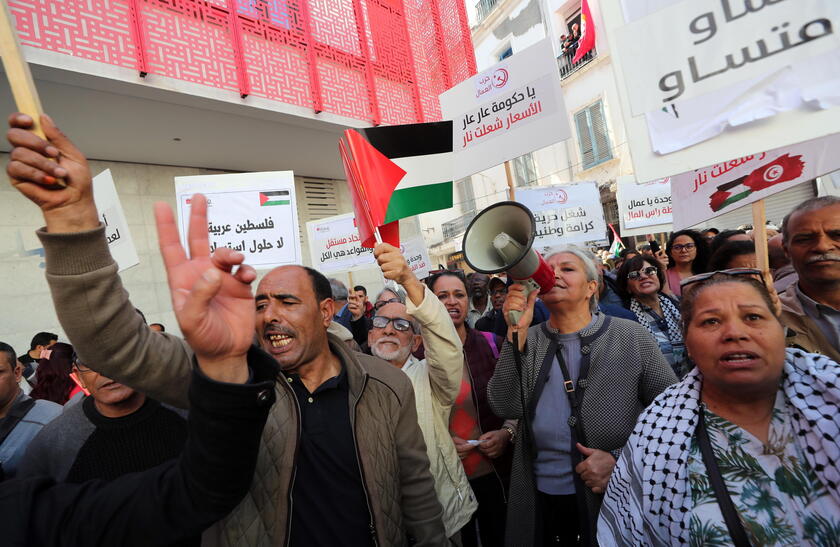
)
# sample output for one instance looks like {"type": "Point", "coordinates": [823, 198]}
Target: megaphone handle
{"type": "Point", "coordinates": [530, 286]}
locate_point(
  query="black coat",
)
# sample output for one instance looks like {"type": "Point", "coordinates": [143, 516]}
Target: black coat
{"type": "Point", "coordinates": [159, 506]}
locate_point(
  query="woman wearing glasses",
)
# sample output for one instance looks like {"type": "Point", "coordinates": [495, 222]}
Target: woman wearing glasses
{"type": "Point", "coordinates": [640, 284]}
{"type": "Point", "coordinates": [687, 253]}
{"type": "Point", "coordinates": [582, 378]}
{"type": "Point", "coordinates": [744, 450]}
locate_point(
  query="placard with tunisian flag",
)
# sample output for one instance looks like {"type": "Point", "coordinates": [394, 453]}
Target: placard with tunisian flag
{"type": "Point", "coordinates": [705, 193]}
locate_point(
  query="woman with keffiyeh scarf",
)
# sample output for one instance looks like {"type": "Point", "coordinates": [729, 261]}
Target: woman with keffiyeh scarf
{"type": "Point", "coordinates": [640, 282]}
{"type": "Point", "coordinates": [772, 423]}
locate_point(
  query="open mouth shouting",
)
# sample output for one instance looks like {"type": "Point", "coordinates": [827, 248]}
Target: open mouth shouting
{"type": "Point", "coordinates": [279, 339]}
{"type": "Point", "coordinates": [739, 359]}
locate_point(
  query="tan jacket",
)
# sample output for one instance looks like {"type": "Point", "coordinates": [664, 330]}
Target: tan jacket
{"type": "Point", "coordinates": [95, 312]}
{"type": "Point", "coordinates": [804, 333]}
{"type": "Point", "coordinates": [437, 382]}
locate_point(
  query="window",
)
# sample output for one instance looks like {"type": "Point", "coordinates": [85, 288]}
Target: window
{"type": "Point", "coordinates": [593, 137]}
{"type": "Point", "coordinates": [524, 170]}
{"type": "Point", "coordinates": [506, 53]}
{"type": "Point", "coordinates": [466, 196]}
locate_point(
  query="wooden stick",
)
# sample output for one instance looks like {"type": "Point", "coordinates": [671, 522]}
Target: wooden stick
{"type": "Point", "coordinates": [511, 187]}
{"type": "Point", "coordinates": [17, 71]}
{"type": "Point", "coordinates": [760, 236]}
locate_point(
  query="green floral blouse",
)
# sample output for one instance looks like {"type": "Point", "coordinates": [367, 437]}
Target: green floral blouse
{"type": "Point", "coordinates": [777, 494]}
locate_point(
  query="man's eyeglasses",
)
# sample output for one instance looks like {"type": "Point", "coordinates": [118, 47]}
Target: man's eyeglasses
{"type": "Point", "coordinates": [683, 246]}
{"type": "Point", "coordinates": [400, 324]}
{"type": "Point", "coordinates": [699, 278]}
{"type": "Point", "coordinates": [650, 271]}
{"type": "Point", "coordinates": [78, 364]}
{"type": "Point", "coordinates": [389, 301]}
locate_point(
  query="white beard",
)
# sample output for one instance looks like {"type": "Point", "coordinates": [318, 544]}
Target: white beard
{"type": "Point", "coordinates": [399, 355]}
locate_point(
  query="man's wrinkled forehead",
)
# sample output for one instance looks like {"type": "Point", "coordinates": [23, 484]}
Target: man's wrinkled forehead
{"type": "Point", "coordinates": [393, 311]}
{"type": "Point", "coordinates": [286, 280]}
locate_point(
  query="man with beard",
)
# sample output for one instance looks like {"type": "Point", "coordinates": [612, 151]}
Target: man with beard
{"type": "Point", "coordinates": [341, 460]}
{"type": "Point", "coordinates": [397, 330]}
{"type": "Point", "coordinates": [480, 302]}
{"type": "Point", "coordinates": [113, 431]}
{"type": "Point", "coordinates": [811, 238]}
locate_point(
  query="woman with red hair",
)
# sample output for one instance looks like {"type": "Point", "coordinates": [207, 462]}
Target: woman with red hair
{"type": "Point", "coordinates": [52, 377]}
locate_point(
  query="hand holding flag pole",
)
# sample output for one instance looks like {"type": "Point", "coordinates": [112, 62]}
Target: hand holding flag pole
{"type": "Point", "coordinates": [20, 78]}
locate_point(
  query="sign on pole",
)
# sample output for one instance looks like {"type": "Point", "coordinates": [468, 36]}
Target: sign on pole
{"type": "Point", "coordinates": [253, 213]}
{"type": "Point", "coordinates": [695, 75]}
{"type": "Point", "coordinates": [705, 193]}
{"type": "Point", "coordinates": [120, 242]}
{"type": "Point", "coordinates": [510, 109]}
{"type": "Point", "coordinates": [335, 246]}
{"type": "Point", "coordinates": [644, 208]}
{"type": "Point", "coordinates": [565, 214]}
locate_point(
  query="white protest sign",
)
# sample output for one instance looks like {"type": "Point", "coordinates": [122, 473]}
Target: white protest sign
{"type": "Point", "coordinates": [415, 253]}
{"type": "Point", "coordinates": [644, 208]}
{"type": "Point", "coordinates": [334, 245]}
{"type": "Point", "coordinates": [695, 76]}
{"type": "Point", "coordinates": [703, 194]}
{"type": "Point", "coordinates": [112, 216]}
{"type": "Point", "coordinates": [565, 214]}
{"type": "Point", "coordinates": [510, 109]}
{"type": "Point", "coordinates": [253, 213]}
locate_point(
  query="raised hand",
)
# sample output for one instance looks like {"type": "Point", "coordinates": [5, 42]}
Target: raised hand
{"type": "Point", "coordinates": [519, 300]}
{"type": "Point", "coordinates": [394, 267]}
{"type": "Point", "coordinates": [35, 165]}
{"type": "Point", "coordinates": [214, 306]}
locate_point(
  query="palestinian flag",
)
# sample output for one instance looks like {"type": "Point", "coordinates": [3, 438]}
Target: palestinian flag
{"type": "Point", "coordinates": [398, 171]}
{"type": "Point", "coordinates": [617, 244]}
{"type": "Point", "coordinates": [783, 169]}
{"type": "Point", "coordinates": [276, 197]}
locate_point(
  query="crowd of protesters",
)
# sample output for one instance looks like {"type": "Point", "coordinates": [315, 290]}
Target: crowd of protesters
{"type": "Point", "coordinates": [665, 396]}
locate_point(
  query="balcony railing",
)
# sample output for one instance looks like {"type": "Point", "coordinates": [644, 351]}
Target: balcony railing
{"type": "Point", "coordinates": [567, 67]}
{"type": "Point", "coordinates": [455, 227]}
{"type": "Point", "coordinates": [484, 7]}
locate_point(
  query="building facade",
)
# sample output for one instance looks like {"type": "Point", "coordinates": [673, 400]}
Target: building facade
{"type": "Point", "coordinates": [154, 89]}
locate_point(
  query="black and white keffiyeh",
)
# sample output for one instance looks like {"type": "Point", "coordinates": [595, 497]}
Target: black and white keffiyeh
{"type": "Point", "coordinates": [648, 500]}
{"type": "Point", "coordinates": [669, 310]}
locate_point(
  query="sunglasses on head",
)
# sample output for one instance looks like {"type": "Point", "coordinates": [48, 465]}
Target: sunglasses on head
{"type": "Point", "coordinates": [400, 324]}
{"type": "Point", "coordinates": [649, 271]}
{"type": "Point", "coordinates": [734, 272]}
{"type": "Point", "coordinates": [383, 302]}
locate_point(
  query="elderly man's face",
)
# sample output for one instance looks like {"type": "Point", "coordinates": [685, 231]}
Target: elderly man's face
{"type": "Point", "coordinates": [390, 342]}
{"type": "Point", "coordinates": [478, 285]}
{"type": "Point", "coordinates": [812, 241]}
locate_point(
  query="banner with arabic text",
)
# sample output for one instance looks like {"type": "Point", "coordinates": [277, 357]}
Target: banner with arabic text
{"type": "Point", "coordinates": [565, 214]}
{"type": "Point", "coordinates": [510, 109]}
{"type": "Point", "coordinates": [120, 242]}
{"type": "Point", "coordinates": [644, 208]}
{"type": "Point", "coordinates": [253, 213]}
{"type": "Point", "coordinates": [335, 246]}
{"type": "Point", "coordinates": [703, 194]}
{"type": "Point", "coordinates": [700, 80]}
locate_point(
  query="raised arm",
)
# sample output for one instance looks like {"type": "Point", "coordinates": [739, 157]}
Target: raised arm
{"type": "Point", "coordinates": [444, 351]}
{"type": "Point", "coordinates": [91, 303]}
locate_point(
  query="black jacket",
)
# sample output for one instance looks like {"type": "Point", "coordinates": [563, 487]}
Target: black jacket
{"type": "Point", "coordinates": [176, 499]}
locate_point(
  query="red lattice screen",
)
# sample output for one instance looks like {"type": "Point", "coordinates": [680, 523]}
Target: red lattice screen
{"type": "Point", "coordinates": [384, 61]}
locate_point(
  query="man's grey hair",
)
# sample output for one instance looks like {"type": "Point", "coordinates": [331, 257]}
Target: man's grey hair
{"type": "Point", "coordinates": [589, 268]}
{"type": "Point", "coordinates": [398, 294]}
{"type": "Point", "coordinates": [808, 205]}
{"type": "Point", "coordinates": [339, 291]}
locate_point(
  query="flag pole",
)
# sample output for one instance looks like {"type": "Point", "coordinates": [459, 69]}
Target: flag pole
{"type": "Point", "coordinates": [19, 75]}
{"type": "Point", "coordinates": [760, 237]}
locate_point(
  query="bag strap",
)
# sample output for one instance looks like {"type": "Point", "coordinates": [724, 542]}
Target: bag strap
{"type": "Point", "coordinates": [15, 415]}
{"type": "Point", "coordinates": [727, 508]}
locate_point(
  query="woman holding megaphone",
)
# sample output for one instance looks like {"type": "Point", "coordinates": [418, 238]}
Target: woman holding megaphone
{"type": "Point", "coordinates": [582, 379]}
